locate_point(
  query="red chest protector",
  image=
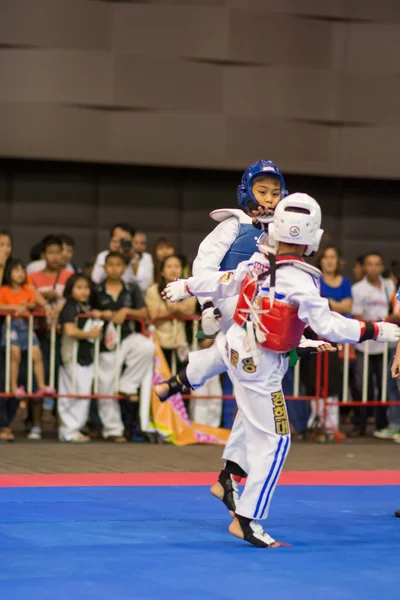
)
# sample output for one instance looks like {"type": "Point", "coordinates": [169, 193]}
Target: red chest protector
{"type": "Point", "coordinates": [278, 329]}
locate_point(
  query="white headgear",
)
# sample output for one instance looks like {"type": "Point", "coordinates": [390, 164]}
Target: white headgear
{"type": "Point", "coordinates": [297, 220]}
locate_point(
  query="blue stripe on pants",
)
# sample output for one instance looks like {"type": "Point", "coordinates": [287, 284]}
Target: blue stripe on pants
{"type": "Point", "coordinates": [284, 453]}
{"type": "Point", "coordinates": [271, 471]}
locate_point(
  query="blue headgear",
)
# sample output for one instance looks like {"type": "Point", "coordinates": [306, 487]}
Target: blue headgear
{"type": "Point", "coordinates": [245, 195]}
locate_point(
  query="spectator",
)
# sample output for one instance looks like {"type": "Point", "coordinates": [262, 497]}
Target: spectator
{"type": "Point", "coordinates": [358, 269]}
{"type": "Point", "coordinates": [88, 269]}
{"type": "Point", "coordinates": [19, 298]}
{"type": "Point", "coordinates": [121, 236]}
{"type": "Point", "coordinates": [118, 302]}
{"type": "Point", "coordinates": [67, 252]}
{"type": "Point", "coordinates": [138, 264]}
{"type": "Point", "coordinates": [392, 431]}
{"type": "Point", "coordinates": [76, 378]}
{"type": "Point", "coordinates": [371, 301]}
{"type": "Point", "coordinates": [334, 286]}
{"type": "Point", "coordinates": [51, 280]}
{"type": "Point", "coordinates": [171, 333]}
{"type": "Point", "coordinates": [162, 248]}
{"type": "Point", "coordinates": [5, 253]}
{"type": "Point", "coordinates": [36, 257]}
{"type": "Point", "coordinates": [142, 262]}
{"type": "Point", "coordinates": [337, 289]}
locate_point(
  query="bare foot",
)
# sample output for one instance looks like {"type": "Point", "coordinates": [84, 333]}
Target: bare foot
{"type": "Point", "coordinates": [236, 530]}
{"type": "Point", "coordinates": [218, 491]}
{"type": "Point", "coordinates": [161, 390]}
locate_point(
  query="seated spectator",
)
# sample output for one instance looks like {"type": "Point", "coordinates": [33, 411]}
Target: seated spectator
{"type": "Point", "coordinates": [51, 280]}
{"type": "Point", "coordinates": [117, 301]}
{"type": "Point", "coordinates": [171, 333]}
{"type": "Point", "coordinates": [76, 378]}
{"type": "Point", "coordinates": [19, 298]}
{"type": "Point", "coordinates": [142, 262]}
{"type": "Point", "coordinates": [162, 248]}
{"type": "Point", "coordinates": [371, 301]}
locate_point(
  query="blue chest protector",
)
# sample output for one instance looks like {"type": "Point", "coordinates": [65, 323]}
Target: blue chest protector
{"type": "Point", "coordinates": [242, 248]}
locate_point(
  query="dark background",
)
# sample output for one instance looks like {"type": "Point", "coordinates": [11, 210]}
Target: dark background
{"type": "Point", "coordinates": [83, 200]}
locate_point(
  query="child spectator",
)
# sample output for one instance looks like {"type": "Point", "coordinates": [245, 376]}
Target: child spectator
{"type": "Point", "coordinates": [67, 252]}
{"type": "Point", "coordinates": [19, 298]}
{"type": "Point", "coordinates": [117, 302]}
{"type": "Point", "coordinates": [171, 333]}
{"type": "Point", "coordinates": [162, 248]}
{"type": "Point", "coordinates": [51, 280]}
{"type": "Point", "coordinates": [74, 413]}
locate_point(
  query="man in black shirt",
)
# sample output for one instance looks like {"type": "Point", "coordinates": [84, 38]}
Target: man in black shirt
{"type": "Point", "coordinates": [117, 302]}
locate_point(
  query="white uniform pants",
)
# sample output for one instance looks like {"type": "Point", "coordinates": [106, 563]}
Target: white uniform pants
{"type": "Point", "coordinates": [73, 413]}
{"type": "Point", "coordinates": [264, 418]}
{"type": "Point", "coordinates": [207, 412]}
{"type": "Point", "coordinates": [136, 353]}
{"type": "Point", "coordinates": [208, 363]}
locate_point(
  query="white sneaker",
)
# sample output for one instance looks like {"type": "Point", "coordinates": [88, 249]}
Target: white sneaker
{"type": "Point", "coordinates": [35, 434]}
{"type": "Point", "coordinates": [386, 434]}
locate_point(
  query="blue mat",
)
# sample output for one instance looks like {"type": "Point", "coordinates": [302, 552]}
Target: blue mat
{"type": "Point", "coordinates": [162, 542]}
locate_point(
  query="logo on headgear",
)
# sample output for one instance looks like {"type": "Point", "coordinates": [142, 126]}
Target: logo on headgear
{"type": "Point", "coordinates": [294, 231]}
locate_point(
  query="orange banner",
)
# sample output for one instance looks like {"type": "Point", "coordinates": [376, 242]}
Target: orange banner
{"type": "Point", "coordinates": [170, 418]}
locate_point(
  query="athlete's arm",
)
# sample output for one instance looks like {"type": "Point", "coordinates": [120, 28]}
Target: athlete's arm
{"type": "Point", "coordinates": [315, 312]}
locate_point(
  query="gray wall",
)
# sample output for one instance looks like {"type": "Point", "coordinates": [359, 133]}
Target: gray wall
{"type": "Point", "coordinates": [37, 198]}
{"type": "Point", "coordinates": [312, 84]}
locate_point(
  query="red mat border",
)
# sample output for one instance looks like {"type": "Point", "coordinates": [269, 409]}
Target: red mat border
{"type": "Point", "coordinates": [192, 479]}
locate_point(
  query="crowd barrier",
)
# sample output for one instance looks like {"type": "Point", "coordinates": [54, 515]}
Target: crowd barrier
{"type": "Point", "coordinates": [321, 371]}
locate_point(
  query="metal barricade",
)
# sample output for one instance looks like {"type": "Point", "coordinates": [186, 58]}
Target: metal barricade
{"type": "Point", "coordinates": [52, 359]}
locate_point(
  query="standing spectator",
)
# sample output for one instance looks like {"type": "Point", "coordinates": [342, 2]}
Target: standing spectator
{"type": "Point", "coordinates": [117, 302]}
{"type": "Point", "coordinates": [392, 431]}
{"type": "Point", "coordinates": [371, 301]}
{"type": "Point", "coordinates": [142, 262]}
{"type": "Point", "coordinates": [121, 236]}
{"type": "Point", "coordinates": [74, 413]}
{"type": "Point", "coordinates": [67, 252]}
{"type": "Point", "coordinates": [337, 289]}
{"type": "Point", "coordinates": [5, 252]}
{"type": "Point", "coordinates": [51, 280]}
{"type": "Point", "coordinates": [19, 298]}
{"type": "Point", "coordinates": [358, 268]}
{"type": "Point", "coordinates": [171, 333]}
{"type": "Point", "coordinates": [162, 248]}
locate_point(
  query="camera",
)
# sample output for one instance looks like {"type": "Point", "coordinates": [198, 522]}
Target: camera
{"type": "Point", "coordinates": [126, 245]}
